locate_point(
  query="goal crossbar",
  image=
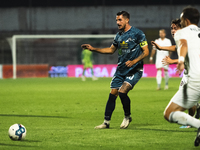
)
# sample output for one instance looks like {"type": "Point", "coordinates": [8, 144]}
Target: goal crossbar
{"type": "Point", "coordinates": [15, 37]}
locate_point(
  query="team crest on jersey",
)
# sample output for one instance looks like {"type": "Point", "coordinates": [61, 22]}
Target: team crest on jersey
{"type": "Point", "coordinates": [130, 39]}
{"type": "Point", "coordinates": [124, 45]}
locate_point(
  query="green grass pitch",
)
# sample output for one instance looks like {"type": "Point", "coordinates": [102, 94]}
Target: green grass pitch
{"type": "Point", "coordinates": [61, 114]}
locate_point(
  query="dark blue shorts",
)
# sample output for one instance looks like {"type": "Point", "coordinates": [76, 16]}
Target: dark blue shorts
{"type": "Point", "coordinates": [132, 79]}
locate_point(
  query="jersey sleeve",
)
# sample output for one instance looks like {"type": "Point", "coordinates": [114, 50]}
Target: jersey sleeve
{"type": "Point", "coordinates": [180, 35]}
{"type": "Point", "coordinates": [141, 38]}
{"type": "Point", "coordinates": [115, 43]}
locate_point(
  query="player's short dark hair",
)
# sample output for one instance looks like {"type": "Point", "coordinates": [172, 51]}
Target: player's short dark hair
{"type": "Point", "coordinates": [163, 30]}
{"type": "Point", "coordinates": [191, 14]}
{"type": "Point", "coordinates": [177, 22]}
{"type": "Point", "coordinates": [124, 14]}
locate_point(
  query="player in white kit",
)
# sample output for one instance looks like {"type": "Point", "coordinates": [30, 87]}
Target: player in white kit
{"type": "Point", "coordinates": [175, 26]}
{"type": "Point", "coordinates": [188, 43]}
{"type": "Point", "coordinates": [160, 54]}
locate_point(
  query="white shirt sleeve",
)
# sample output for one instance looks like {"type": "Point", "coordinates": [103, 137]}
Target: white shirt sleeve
{"type": "Point", "coordinates": [180, 35]}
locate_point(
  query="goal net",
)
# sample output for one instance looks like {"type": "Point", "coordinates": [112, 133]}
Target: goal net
{"type": "Point", "coordinates": [56, 50]}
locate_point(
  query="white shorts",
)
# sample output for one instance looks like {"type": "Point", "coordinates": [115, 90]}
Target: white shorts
{"type": "Point", "coordinates": [159, 64]}
{"type": "Point", "coordinates": [188, 94]}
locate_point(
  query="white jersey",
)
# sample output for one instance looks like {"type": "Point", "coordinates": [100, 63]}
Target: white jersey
{"type": "Point", "coordinates": [160, 54]}
{"type": "Point", "coordinates": [191, 33]}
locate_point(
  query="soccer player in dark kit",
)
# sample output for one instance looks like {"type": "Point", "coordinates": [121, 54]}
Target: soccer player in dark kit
{"type": "Point", "coordinates": [132, 48]}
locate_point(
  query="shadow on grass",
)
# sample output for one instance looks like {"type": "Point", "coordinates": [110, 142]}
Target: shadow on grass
{"type": "Point", "coordinates": [30, 141]}
{"type": "Point", "coordinates": [163, 130]}
{"type": "Point", "coordinates": [148, 127]}
{"type": "Point", "coordinates": [21, 142]}
{"type": "Point", "coordinates": [3, 144]}
{"type": "Point", "coordinates": [16, 115]}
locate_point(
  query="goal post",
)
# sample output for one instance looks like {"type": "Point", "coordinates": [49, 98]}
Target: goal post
{"type": "Point", "coordinates": [18, 37]}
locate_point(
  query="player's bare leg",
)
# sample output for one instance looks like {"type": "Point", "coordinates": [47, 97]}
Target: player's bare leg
{"type": "Point", "coordinates": [192, 110]}
{"type": "Point", "coordinates": [175, 113]}
{"type": "Point", "coordinates": [123, 91]}
{"type": "Point", "coordinates": [166, 79]}
{"type": "Point", "coordinates": [92, 72]}
{"type": "Point", "coordinates": [83, 75]}
{"type": "Point", "coordinates": [197, 116]}
{"type": "Point", "coordinates": [159, 78]}
{"type": "Point", "coordinates": [110, 106]}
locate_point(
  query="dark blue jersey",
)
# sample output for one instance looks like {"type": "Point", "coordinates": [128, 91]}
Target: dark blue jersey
{"type": "Point", "coordinates": [129, 45]}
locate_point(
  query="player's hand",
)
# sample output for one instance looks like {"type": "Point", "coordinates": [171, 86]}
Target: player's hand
{"type": "Point", "coordinates": [156, 45]}
{"type": "Point", "coordinates": [130, 63]}
{"type": "Point", "coordinates": [167, 60]}
{"type": "Point", "coordinates": [87, 46]}
{"type": "Point", "coordinates": [151, 61]}
{"type": "Point", "coordinates": [180, 67]}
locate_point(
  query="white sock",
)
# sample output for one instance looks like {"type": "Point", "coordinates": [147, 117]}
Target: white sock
{"type": "Point", "coordinates": [106, 121]}
{"type": "Point", "coordinates": [159, 77]}
{"type": "Point", "coordinates": [184, 119]}
{"type": "Point", "coordinates": [166, 77]}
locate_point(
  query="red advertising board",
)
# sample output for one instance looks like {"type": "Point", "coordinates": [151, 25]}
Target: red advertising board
{"type": "Point", "coordinates": [26, 71]}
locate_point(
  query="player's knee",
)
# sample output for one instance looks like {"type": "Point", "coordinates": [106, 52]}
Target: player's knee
{"type": "Point", "coordinates": [114, 92]}
{"type": "Point", "coordinates": [166, 115]}
{"type": "Point", "coordinates": [159, 73]}
{"type": "Point", "coordinates": [169, 116]}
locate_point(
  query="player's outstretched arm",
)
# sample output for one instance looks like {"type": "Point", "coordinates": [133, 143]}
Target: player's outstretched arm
{"type": "Point", "coordinates": [144, 54]}
{"type": "Point", "coordinates": [108, 50]}
{"type": "Point", "coordinates": [169, 48]}
{"type": "Point", "coordinates": [166, 48]}
{"type": "Point", "coordinates": [183, 48]}
{"type": "Point", "coordinates": [153, 43]}
{"type": "Point", "coordinates": [167, 60]}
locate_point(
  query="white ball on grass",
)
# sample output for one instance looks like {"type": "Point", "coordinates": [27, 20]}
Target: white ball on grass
{"type": "Point", "coordinates": [17, 132]}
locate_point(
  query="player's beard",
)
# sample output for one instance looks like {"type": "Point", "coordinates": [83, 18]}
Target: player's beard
{"type": "Point", "coordinates": [123, 28]}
